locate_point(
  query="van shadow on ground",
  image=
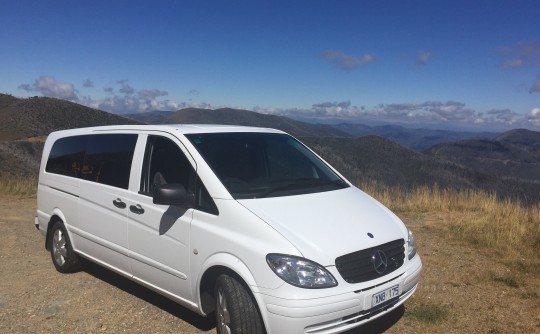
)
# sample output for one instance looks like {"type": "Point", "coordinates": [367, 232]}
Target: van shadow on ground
{"type": "Point", "coordinates": [167, 305]}
{"type": "Point", "coordinates": [379, 325]}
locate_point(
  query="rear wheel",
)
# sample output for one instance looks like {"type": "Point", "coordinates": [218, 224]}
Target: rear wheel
{"type": "Point", "coordinates": [236, 310]}
{"type": "Point", "coordinates": [65, 260]}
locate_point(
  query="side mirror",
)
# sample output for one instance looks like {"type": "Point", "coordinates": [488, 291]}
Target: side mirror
{"type": "Point", "coordinates": [172, 194]}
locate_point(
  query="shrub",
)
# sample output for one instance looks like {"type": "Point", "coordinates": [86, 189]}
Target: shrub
{"type": "Point", "coordinates": [20, 187]}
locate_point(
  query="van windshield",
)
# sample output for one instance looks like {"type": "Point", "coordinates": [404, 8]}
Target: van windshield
{"type": "Point", "coordinates": [258, 165]}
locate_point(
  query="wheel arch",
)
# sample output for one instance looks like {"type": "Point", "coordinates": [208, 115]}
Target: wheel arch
{"type": "Point", "coordinates": [223, 264]}
{"type": "Point", "coordinates": [57, 215]}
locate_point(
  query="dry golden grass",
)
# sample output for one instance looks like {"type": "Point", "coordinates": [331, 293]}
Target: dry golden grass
{"type": "Point", "coordinates": [19, 187]}
{"type": "Point", "coordinates": [505, 227]}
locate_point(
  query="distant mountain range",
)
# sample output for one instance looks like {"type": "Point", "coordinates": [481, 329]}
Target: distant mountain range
{"type": "Point", "coordinates": [238, 117]}
{"type": "Point", "coordinates": [373, 159]}
{"type": "Point", "coordinates": [507, 164]}
{"type": "Point", "coordinates": [415, 138]}
{"type": "Point", "coordinates": [512, 155]}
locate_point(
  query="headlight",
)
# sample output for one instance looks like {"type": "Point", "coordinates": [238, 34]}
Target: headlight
{"type": "Point", "coordinates": [411, 245]}
{"type": "Point", "coordinates": [300, 272]}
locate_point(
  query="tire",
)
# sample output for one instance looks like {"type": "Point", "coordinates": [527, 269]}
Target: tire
{"type": "Point", "coordinates": [65, 260]}
{"type": "Point", "coordinates": [236, 310]}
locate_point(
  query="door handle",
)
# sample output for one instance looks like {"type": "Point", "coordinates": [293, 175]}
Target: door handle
{"type": "Point", "coordinates": [119, 204]}
{"type": "Point", "coordinates": [136, 209]}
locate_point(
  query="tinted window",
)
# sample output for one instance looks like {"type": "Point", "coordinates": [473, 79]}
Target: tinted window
{"type": "Point", "coordinates": [103, 158]}
{"type": "Point", "coordinates": [67, 155]}
{"type": "Point", "coordinates": [108, 159]}
{"type": "Point", "coordinates": [254, 165]}
{"type": "Point", "coordinates": [165, 163]}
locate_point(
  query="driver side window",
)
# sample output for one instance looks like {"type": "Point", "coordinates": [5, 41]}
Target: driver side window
{"type": "Point", "coordinates": [165, 163]}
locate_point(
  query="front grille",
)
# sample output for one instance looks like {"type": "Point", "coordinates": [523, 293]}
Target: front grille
{"type": "Point", "coordinates": [358, 266]}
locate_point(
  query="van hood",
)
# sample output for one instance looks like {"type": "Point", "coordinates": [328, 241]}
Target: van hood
{"type": "Point", "coordinates": [326, 225]}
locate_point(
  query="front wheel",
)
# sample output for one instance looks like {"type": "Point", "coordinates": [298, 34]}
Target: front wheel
{"type": "Point", "coordinates": [65, 260]}
{"type": "Point", "coordinates": [236, 310]}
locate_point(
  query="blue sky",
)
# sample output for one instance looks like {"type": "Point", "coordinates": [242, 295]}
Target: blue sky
{"type": "Point", "coordinates": [460, 64]}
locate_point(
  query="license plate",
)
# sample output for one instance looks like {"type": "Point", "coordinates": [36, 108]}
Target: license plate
{"type": "Point", "coordinates": [385, 295]}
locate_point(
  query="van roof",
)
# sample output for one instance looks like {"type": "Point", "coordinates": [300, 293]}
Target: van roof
{"type": "Point", "coordinates": [181, 128]}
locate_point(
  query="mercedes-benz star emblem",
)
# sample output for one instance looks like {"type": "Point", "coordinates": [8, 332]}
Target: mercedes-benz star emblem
{"type": "Point", "coordinates": [380, 262]}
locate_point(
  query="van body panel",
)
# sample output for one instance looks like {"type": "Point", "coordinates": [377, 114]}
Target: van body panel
{"type": "Point", "coordinates": [57, 199]}
{"type": "Point", "coordinates": [326, 225]}
{"type": "Point", "coordinates": [102, 224]}
{"type": "Point", "coordinates": [159, 244]}
{"type": "Point", "coordinates": [238, 232]}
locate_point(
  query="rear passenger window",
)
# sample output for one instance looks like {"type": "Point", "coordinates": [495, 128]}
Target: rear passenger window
{"type": "Point", "coordinates": [67, 155]}
{"type": "Point", "coordinates": [108, 159]}
{"type": "Point", "coordinates": [103, 158]}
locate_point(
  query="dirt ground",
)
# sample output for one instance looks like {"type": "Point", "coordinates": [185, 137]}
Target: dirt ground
{"type": "Point", "coordinates": [462, 290]}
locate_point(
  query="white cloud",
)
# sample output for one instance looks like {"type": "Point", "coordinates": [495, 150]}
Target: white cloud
{"type": "Point", "coordinates": [129, 100]}
{"type": "Point", "coordinates": [88, 83]}
{"type": "Point", "coordinates": [513, 63]}
{"type": "Point", "coordinates": [347, 62]}
{"type": "Point", "coordinates": [503, 117]}
{"type": "Point", "coordinates": [48, 86]}
{"type": "Point", "coordinates": [524, 53]}
{"type": "Point", "coordinates": [535, 86]}
{"type": "Point", "coordinates": [535, 112]}
{"type": "Point", "coordinates": [450, 113]}
{"type": "Point", "coordinates": [423, 57]}
{"type": "Point", "coordinates": [126, 99]}
{"type": "Point", "coordinates": [126, 89]}
{"type": "Point", "coordinates": [151, 93]}
{"type": "Point", "coordinates": [533, 117]}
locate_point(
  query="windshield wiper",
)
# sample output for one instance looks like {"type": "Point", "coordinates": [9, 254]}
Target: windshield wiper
{"type": "Point", "coordinates": [303, 183]}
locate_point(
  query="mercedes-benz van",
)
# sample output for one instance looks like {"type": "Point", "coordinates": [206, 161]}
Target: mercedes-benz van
{"type": "Point", "coordinates": [246, 223]}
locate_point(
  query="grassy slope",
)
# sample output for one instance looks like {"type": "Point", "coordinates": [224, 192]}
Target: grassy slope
{"type": "Point", "coordinates": [25, 123]}
{"type": "Point", "coordinates": [512, 155]}
{"type": "Point", "coordinates": [38, 116]}
{"type": "Point", "coordinates": [374, 159]}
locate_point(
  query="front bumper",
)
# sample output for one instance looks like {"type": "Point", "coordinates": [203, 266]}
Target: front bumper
{"type": "Point", "coordinates": [338, 313]}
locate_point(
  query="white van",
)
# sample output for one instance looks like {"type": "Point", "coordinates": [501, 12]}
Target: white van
{"type": "Point", "coordinates": [246, 222]}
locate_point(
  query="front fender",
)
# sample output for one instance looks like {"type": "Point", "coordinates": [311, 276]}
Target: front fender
{"type": "Point", "coordinates": [223, 263]}
{"type": "Point", "coordinates": [232, 263]}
